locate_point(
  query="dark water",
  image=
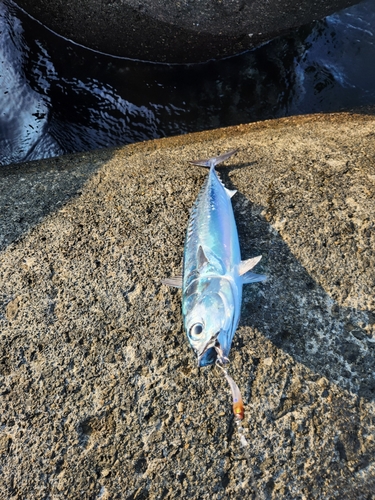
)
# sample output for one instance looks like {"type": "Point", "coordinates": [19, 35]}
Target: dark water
{"type": "Point", "coordinates": [57, 97]}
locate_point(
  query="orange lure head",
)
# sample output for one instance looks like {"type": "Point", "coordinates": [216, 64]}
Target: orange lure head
{"type": "Point", "coordinates": [238, 409]}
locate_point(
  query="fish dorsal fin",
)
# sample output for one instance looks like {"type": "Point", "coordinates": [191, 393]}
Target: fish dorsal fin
{"type": "Point", "coordinates": [201, 256]}
{"type": "Point", "coordinates": [175, 281]}
{"type": "Point", "coordinates": [247, 265]}
{"type": "Point", "coordinates": [231, 192]}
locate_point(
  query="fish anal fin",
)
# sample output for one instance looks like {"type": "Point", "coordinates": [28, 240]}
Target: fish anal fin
{"type": "Point", "coordinates": [247, 265]}
{"type": "Point", "coordinates": [250, 277]}
{"type": "Point", "coordinates": [175, 281]}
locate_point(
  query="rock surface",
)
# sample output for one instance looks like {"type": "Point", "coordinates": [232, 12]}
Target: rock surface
{"type": "Point", "coordinates": [169, 31]}
{"type": "Point", "coordinates": [100, 394]}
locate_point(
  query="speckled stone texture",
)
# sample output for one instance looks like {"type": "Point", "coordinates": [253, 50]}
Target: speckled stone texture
{"type": "Point", "coordinates": [100, 395]}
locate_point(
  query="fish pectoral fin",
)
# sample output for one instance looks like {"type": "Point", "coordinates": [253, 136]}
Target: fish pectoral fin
{"type": "Point", "coordinates": [247, 265]}
{"type": "Point", "coordinates": [250, 277]}
{"type": "Point", "coordinates": [175, 281]}
{"type": "Point", "coordinates": [201, 257]}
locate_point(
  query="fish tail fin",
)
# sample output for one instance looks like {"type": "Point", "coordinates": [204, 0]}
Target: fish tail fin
{"type": "Point", "coordinates": [212, 162]}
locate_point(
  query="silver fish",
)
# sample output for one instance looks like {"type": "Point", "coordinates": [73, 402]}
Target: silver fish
{"type": "Point", "coordinates": [213, 272]}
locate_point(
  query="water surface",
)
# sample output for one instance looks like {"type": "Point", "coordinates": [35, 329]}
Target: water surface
{"type": "Point", "coordinates": [57, 97]}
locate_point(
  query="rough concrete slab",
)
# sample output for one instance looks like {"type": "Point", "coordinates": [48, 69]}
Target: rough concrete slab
{"type": "Point", "coordinates": [100, 393]}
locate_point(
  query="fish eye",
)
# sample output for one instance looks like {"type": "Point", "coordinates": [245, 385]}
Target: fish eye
{"type": "Point", "coordinates": [196, 330]}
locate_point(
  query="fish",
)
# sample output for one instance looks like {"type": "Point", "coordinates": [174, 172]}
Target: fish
{"type": "Point", "coordinates": [213, 273]}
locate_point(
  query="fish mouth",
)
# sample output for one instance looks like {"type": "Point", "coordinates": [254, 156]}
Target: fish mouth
{"type": "Point", "coordinates": [207, 358]}
{"type": "Point", "coordinates": [212, 352]}
{"type": "Point", "coordinates": [207, 355]}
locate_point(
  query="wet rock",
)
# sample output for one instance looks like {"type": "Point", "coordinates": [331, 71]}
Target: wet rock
{"type": "Point", "coordinates": [168, 31]}
{"type": "Point", "coordinates": [100, 393]}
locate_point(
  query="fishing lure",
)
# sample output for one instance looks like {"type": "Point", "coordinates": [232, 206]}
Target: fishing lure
{"type": "Point", "coordinates": [238, 406]}
{"type": "Point", "coordinates": [213, 272]}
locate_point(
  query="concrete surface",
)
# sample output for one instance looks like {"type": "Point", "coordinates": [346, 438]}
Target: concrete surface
{"type": "Point", "coordinates": [100, 394]}
{"type": "Point", "coordinates": [183, 31]}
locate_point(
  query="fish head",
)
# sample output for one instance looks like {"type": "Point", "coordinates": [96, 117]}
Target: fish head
{"type": "Point", "coordinates": [209, 311]}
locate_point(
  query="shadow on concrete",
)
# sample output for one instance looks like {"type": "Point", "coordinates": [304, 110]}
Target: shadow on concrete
{"type": "Point", "coordinates": [296, 314]}
{"type": "Point", "coordinates": [31, 191]}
